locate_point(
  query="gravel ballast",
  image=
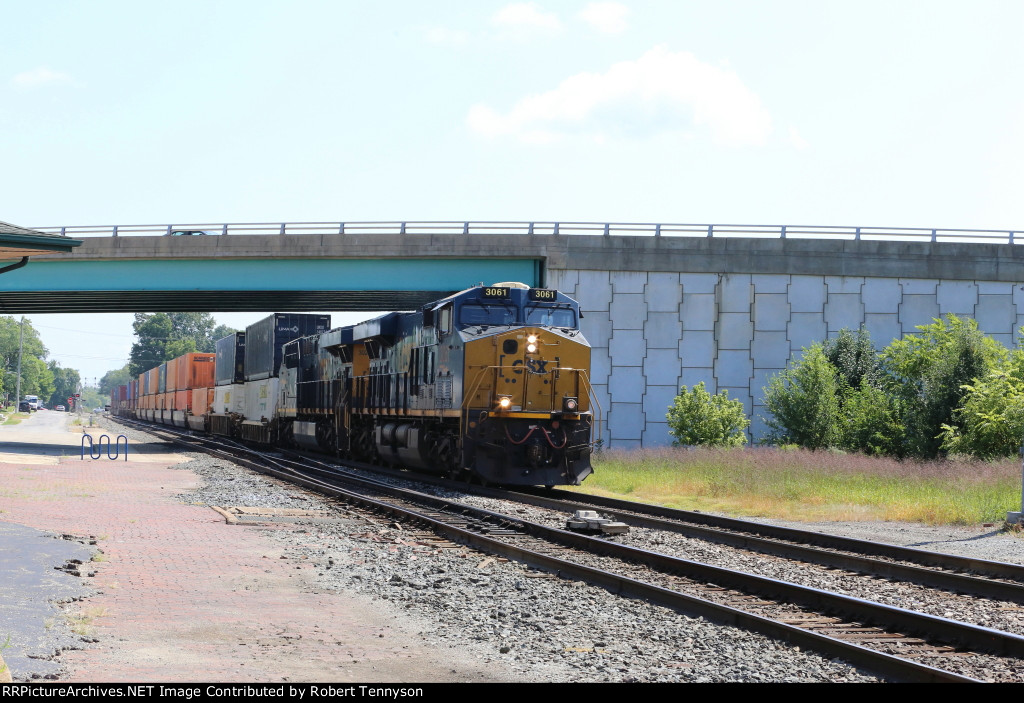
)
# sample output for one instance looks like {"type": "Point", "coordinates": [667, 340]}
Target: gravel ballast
{"type": "Point", "coordinates": [544, 628]}
{"type": "Point", "coordinates": [555, 630]}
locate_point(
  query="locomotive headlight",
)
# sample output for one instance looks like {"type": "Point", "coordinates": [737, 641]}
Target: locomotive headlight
{"type": "Point", "coordinates": [531, 348]}
{"type": "Point", "coordinates": [504, 402]}
{"type": "Point", "coordinates": [532, 339]}
{"type": "Point", "coordinates": [570, 405]}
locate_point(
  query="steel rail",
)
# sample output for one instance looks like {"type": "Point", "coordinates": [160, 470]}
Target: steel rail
{"type": "Point", "coordinates": [961, 634]}
{"type": "Point", "coordinates": [996, 569]}
{"type": "Point", "coordinates": [749, 540]}
{"type": "Point", "coordinates": [788, 543]}
{"type": "Point", "coordinates": [743, 534]}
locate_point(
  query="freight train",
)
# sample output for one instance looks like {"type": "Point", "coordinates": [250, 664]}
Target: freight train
{"type": "Point", "coordinates": [490, 384]}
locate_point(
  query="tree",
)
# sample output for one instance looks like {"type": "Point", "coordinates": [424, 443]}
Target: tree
{"type": "Point", "coordinates": [115, 378]}
{"type": "Point", "coordinates": [66, 382]}
{"type": "Point", "coordinates": [872, 421]}
{"type": "Point", "coordinates": [698, 418]}
{"type": "Point", "coordinates": [932, 369]}
{"type": "Point", "coordinates": [164, 336]}
{"type": "Point", "coordinates": [220, 332]}
{"type": "Point", "coordinates": [10, 334]}
{"type": "Point", "coordinates": [36, 378]}
{"type": "Point", "coordinates": [803, 402]}
{"type": "Point", "coordinates": [991, 416]}
{"type": "Point", "coordinates": [854, 357]}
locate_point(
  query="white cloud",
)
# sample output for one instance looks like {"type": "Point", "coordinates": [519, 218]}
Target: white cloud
{"type": "Point", "coordinates": [605, 17]}
{"type": "Point", "coordinates": [526, 15]}
{"type": "Point", "coordinates": [661, 92]}
{"type": "Point", "coordinates": [39, 77]}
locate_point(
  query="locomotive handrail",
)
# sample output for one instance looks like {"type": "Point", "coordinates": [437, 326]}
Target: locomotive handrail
{"type": "Point", "coordinates": [550, 228]}
{"type": "Point", "coordinates": [593, 397]}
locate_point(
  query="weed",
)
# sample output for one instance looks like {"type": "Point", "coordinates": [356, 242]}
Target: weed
{"type": "Point", "coordinates": [3, 665]}
{"type": "Point", "coordinates": [81, 624]}
{"type": "Point", "coordinates": [806, 485]}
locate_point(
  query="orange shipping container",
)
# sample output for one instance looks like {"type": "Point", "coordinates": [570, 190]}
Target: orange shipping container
{"type": "Point", "coordinates": [154, 380]}
{"type": "Point", "coordinates": [171, 384]}
{"type": "Point", "coordinates": [182, 400]}
{"type": "Point", "coordinates": [194, 370]}
{"type": "Point", "coordinates": [202, 399]}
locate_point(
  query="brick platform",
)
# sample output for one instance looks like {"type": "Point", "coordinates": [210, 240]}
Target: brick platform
{"type": "Point", "coordinates": [186, 597]}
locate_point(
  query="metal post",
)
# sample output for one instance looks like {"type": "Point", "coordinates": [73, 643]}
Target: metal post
{"type": "Point", "coordinates": [21, 346]}
{"type": "Point", "coordinates": [1013, 518]}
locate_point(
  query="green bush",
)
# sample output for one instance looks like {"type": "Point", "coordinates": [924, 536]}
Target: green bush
{"type": "Point", "coordinates": [698, 418]}
{"type": "Point", "coordinates": [804, 403]}
{"type": "Point", "coordinates": [931, 371]}
{"type": "Point", "coordinates": [872, 422]}
{"type": "Point", "coordinates": [854, 357]}
{"type": "Point", "coordinates": [947, 388]}
{"type": "Point", "coordinates": [991, 418]}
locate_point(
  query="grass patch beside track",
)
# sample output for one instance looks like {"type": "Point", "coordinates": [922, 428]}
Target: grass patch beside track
{"type": "Point", "coordinates": [15, 418]}
{"type": "Point", "coordinates": [811, 486]}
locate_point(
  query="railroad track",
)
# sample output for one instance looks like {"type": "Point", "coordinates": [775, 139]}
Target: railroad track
{"type": "Point", "coordinates": [895, 642]}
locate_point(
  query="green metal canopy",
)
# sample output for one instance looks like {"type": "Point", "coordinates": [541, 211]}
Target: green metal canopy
{"type": "Point", "coordinates": [18, 241]}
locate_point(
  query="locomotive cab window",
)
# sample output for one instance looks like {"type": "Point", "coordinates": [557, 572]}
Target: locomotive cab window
{"type": "Point", "coordinates": [496, 314]}
{"type": "Point", "coordinates": [550, 316]}
{"type": "Point", "coordinates": [444, 320]}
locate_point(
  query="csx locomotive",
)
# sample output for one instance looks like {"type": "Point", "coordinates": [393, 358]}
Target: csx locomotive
{"type": "Point", "coordinates": [490, 384]}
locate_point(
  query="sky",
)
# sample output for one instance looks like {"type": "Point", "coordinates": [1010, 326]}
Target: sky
{"type": "Point", "coordinates": [897, 114]}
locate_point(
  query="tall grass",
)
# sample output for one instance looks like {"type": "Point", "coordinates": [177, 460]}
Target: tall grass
{"type": "Point", "coordinates": [803, 485]}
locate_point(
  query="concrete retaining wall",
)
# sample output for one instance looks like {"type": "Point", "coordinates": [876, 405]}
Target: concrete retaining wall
{"type": "Point", "coordinates": [654, 331]}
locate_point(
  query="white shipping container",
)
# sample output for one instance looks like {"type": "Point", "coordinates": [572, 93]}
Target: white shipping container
{"type": "Point", "coordinates": [261, 399]}
{"type": "Point", "coordinates": [229, 399]}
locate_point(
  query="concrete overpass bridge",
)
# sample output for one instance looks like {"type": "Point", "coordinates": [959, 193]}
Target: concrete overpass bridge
{"type": "Point", "coordinates": [664, 305]}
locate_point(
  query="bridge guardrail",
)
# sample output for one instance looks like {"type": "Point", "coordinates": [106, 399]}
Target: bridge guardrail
{"type": "Point", "coordinates": [483, 227]}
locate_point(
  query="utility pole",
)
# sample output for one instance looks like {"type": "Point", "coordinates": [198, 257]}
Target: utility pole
{"type": "Point", "coordinates": [17, 385]}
